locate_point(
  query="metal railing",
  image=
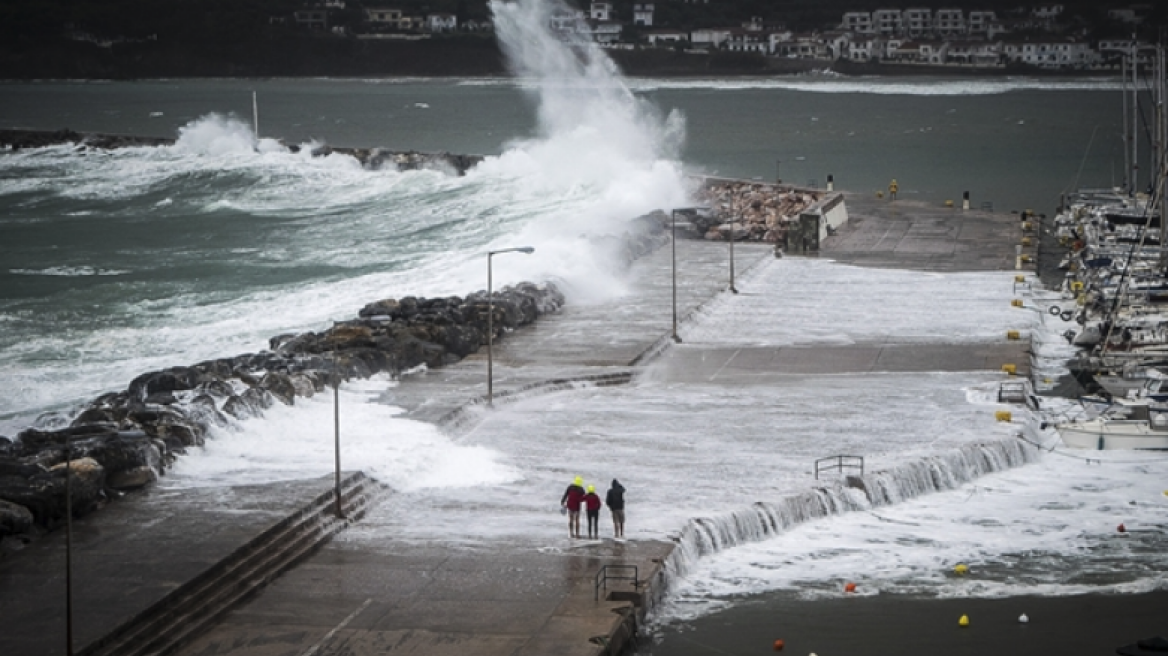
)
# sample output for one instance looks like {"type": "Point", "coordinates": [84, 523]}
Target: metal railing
{"type": "Point", "coordinates": [839, 463]}
{"type": "Point", "coordinates": [603, 577]}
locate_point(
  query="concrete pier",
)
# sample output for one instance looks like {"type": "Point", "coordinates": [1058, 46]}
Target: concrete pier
{"type": "Point", "coordinates": [371, 592]}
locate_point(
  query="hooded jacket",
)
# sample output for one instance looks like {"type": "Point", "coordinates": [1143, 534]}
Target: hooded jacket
{"type": "Point", "coordinates": [615, 499]}
{"type": "Point", "coordinates": [572, 498]}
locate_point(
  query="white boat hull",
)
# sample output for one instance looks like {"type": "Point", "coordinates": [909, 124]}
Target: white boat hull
{"type": "Point", "coordinates": [1107, 435]}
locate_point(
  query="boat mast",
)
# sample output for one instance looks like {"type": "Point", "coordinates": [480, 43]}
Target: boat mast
{"type": "Point", "coordinates": [255, 115]}
{"type": "Point", "coordinates": [1127, 186]}
{"type": "Point", "coordinates": [1135, 118]}
{"type": "Point", "coordinates": [1161, 169]}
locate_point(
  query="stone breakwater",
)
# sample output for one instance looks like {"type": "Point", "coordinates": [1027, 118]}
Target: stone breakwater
{"type": "Point", "coordinates": [125, 440]}
{"type": "Point", "coordinates": [755, 211]}
{"type": "Point", "coordinates": [370, 158]}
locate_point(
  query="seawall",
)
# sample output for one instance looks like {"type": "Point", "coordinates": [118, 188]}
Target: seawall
{"type": "Point", "coordinates": [371, 158]}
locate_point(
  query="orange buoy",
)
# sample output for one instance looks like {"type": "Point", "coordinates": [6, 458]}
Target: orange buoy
{"type": "Point", "coordinates": [850, 587]}
{"type": "Point", "coordinates": [779, 645]}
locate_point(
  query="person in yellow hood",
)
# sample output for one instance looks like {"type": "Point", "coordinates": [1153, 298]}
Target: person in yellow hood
{"type": "Point", "coordinates": [573, 497]}
{"type": "Point", "coordinates": [592, 505]}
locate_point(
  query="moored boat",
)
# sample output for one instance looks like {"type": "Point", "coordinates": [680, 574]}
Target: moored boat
{"type": "Point", "coordinates": [1126, 425]}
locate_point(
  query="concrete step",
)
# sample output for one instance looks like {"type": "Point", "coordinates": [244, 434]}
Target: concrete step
{"type": "Point", "coordinates": [192, 607]}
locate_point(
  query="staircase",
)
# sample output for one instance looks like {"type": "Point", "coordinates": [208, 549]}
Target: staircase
{"type": "Point", "coordinates": [189, 609]}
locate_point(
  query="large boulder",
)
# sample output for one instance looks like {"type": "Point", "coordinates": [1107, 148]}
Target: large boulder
{"type": "Point", "coordinates": [167, 380]}
{"type": "Point", "coordinates": [131, 459]}
{"type": "Point", "coordinates": [14, 518]}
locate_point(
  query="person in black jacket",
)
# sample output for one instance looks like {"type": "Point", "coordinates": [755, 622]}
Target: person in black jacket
{"type": "Point", "coordinates": [615, 500]}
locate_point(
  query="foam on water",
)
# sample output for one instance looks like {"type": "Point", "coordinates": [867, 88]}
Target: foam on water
{"type": "Point", "coordinates": [296, 442]}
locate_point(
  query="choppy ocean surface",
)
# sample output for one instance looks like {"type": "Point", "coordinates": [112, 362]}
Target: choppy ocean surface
{"type": "Point", "coordinates": [116, 263]}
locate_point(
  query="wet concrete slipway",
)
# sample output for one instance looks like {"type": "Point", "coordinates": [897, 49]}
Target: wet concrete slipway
{"type": "Point", "coordinates": [592, 391]}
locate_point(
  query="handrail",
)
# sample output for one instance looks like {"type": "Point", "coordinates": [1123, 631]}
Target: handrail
{"type": "Point", "coordinates": [838, 463]}
{"type": "Point", "coordinates": [602, 578]}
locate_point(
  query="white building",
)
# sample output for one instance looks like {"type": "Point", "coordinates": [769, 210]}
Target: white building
{"type": "Point", "coordinates": [918, 22]}
{"type": "Point", "coordinates": [643, 15]}
{"type": "Point", "coordinates": [980, 22]}
{"type": "Point", "coordinates": [950, 22]}
{"type": "Point", "coordinates": [662, 36]}
{"type": "Point", "coordinates": [601, 11]}
{"type": "Point", "coordinates": [859, 22]}
{"type": "Point", "coordinates": [744, 40]}
{"type": "Point", "coordinates": [975, 52]}
{"type": "Point", "coordinates": [383, 16]}
{"type": "Point", "coordinates": [1064, 53]}
{"type": "Point", "coordinates": [709, 37]}
{"type": "Point", "coordinates": [801, 46]}
{"type": "Point", "coordinates": [888, 22]}
{"type": "Point", "coordinates": [441, 22]}
{"type": "Point", "coordinates": [866, 48]}
{"type": "Point", "coordinates": [933, 52]}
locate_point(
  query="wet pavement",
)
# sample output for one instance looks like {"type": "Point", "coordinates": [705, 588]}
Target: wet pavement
{"type": "Point", "coordinates": [370, 592]}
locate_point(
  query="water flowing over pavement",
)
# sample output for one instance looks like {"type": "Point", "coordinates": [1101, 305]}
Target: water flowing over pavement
{"type": "Point", "coordinates": [811, 359]}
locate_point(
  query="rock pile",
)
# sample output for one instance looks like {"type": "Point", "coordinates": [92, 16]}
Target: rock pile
{"type": "Point", "coordinates": [124, 440]}
{"type": "Point", "coordinates": [755, 211]}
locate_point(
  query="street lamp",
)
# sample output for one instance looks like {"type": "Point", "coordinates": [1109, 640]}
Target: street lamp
{"type": "Point", "coordinates": [778, 173]}
{"type": "Point", "coordinates": [68, 545]}
{"type": "Point", "coordinates": [337, 435]}
{"type": "Point", "coordinates": [673, 263]}
{"type": "Point", "coordinates": [491, 319]}
{"type": "Point", "coordinates": [733, 223]}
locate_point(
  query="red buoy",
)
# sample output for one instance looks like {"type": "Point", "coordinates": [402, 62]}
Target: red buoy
{"type": "Point", "coordinates": [850, 587]}
{"type": "Point", "coordinates": [1121, 528]}
{"type": "Point", "coordinates": [779, 645]}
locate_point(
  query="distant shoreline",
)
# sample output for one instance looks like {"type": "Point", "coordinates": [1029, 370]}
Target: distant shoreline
{"type": "Point", "coordinates": [475, 56]}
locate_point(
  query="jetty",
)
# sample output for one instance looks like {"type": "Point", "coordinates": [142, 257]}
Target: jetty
{"type": "Point", "coordinates": [256, 570]}
{"type": "Point", "coordinates": [370, 158]}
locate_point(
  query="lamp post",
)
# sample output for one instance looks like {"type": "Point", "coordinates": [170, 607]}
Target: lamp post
{"type": "Point", "coordinates": [733, 223]}
{"type": "Point", "coordinates": [68, 545]}
{"type": "Point", "coordinates": [337, 436]}
{"type": "Point", "coordinates": [778, 172]}
{"type": "Point", "coordinates": [491, 319]}
{"type": "Point", "coordinates": [673, 262]}
{"type": "Point", "coordinates": [673, 267]}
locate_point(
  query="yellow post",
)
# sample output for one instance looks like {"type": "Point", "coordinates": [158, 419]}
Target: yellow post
{"type": "Point", "coordinates": [1003, 415]}
{"type": "Point", "coordinates": [1016, 302]}
{"type": "Point", "coordinates": [1010, 368]}
{"type": "Point", "coordinates": [1013, 334]}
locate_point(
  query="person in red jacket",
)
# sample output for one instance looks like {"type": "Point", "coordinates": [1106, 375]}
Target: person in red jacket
{"type": "Point", "coordinates": [573, 497]}
{"type": "Point", "coordinates": [592, 505]}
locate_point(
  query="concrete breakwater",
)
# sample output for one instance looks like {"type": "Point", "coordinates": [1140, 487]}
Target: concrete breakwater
{"type": "Point", "coordinates": [370, 158]}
